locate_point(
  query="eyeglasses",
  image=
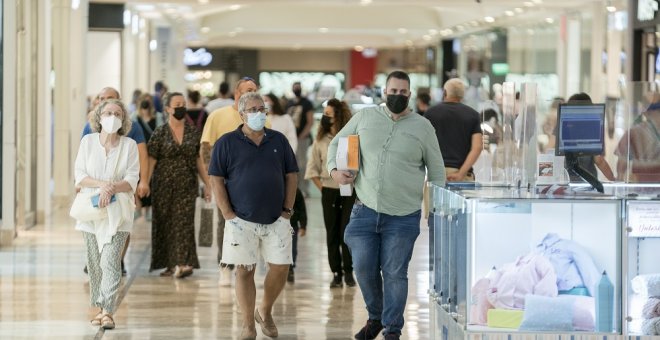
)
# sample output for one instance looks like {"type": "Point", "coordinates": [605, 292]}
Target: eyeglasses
{"type": "Point", "coordinates": [244, 79]}
{"type": "Point", "coordinates": [253, 110]}
{"type": "Point", "coordinates": [112, 113]}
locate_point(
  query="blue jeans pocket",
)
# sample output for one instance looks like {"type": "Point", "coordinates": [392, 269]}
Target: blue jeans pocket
{"type": "Point", "coordinates": [357, 206]}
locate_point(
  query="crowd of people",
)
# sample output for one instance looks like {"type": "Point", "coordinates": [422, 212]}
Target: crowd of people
{"type": "Point", "coordinates": [253, 155]}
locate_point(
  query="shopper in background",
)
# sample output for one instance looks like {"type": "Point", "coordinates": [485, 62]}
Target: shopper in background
{"type": "Point", "coordinates": [135, 101]}
{"type": "Point", "coordinates": [253, 170]}
{"type": "Point", "coordinates": [279, 120]}
{"type": "Point", "coordinates": [336, 208]}
{"type": "Point", "coordinates": [422, 103]}
{"type": "Point", "coordinates": [458, 130]}
{"type": "Point", "coordinates": [174, 165]}
{"type": "Point", "coordinates": [159, 90]}
{"type": "Point", "coordinates": [107, 163]}
{"type": "Point", "coordinates": [220, 122]}
{"type": "Point", "coordinates": [302, 112]}
{"type": "Point", "coordinates": [224, 98]}
{"type": "Point", "coordinates": [196, 113]}
{"type": "Point", "coordinates": [283, 123]}
{"type": "Point", "coordinates": [135, 133]}
{"type": "Point", "coordinates": [397, 149]}
{"type": "Point", "coordinates": [148, 119]}
{"type": "Point", "coordinates": [639, 148]}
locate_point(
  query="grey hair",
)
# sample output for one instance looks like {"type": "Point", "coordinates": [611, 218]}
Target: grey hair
{"type": "Point", "coordinates": [246, 97]}
{"type": "Point", "coordinates": [95, 117]}
{"type": "Point", "coordinates": [454, 88]}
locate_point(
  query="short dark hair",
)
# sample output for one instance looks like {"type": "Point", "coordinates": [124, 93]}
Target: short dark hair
{"type": "Point", "coordinates": [424, 98]}
{"type": "Point", "coordinates": [158, 85]}
{"type": "Point", "coordinates": [398, 75]}
{"type": "Point", "coordinates": [224, 88]}
{"type": "Point", "coordinates": [488, 114]}
{"type": "Point", "coordinates": [580, 98]}
{"type": "Point", "coordinates": [194, 96]}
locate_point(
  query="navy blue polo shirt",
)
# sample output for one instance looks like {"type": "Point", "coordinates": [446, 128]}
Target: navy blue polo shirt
{"type": "Point", "coordinates": [254, 175]}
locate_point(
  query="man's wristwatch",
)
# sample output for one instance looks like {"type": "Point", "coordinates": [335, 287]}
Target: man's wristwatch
{"type": "Point", "coordinates": [287, 210]}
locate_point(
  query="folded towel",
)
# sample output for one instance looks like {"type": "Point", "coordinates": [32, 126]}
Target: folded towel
{"type": "Point", "coordinates": [647, 285]}
{"type": "Point", "coordinates": [651, 308]}
{"type": "Point", "coordinates": [651, 326]}
{"type": "Point", "coordinates": [504, 318]}
{"type": "Point", "coordinates": [561, 313]}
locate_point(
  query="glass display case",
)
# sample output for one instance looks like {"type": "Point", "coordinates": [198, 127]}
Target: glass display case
{"type": "Point", "coordinates": [641, 280]}
{"type": "Point", "coordinates": [506, 261]}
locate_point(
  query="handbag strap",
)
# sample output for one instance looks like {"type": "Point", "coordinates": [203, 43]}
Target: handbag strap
{"type": "Point", "coordinates": [114, 177]}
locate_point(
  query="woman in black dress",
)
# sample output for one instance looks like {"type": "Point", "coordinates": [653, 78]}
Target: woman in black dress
{"type": "Point", "coordinates": [174, 165]}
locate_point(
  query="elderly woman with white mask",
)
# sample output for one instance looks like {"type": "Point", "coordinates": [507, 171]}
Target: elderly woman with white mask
{"type": "Point", "coordinates": [107, 164]}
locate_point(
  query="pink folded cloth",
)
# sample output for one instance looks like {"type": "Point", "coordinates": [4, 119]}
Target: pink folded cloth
{"type": "Point", "coordinates": [651, 308]}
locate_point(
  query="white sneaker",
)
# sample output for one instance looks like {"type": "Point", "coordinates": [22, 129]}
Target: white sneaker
{"type": "Point", "coordinates": [225, 277]}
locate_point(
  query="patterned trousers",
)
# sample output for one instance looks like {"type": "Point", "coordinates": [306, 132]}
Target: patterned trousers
{"type": "Point", "coordinates": [104, 269]}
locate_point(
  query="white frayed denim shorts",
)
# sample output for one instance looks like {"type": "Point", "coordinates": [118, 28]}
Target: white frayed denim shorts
{"type": "Point", "coordinates": [244, 241]}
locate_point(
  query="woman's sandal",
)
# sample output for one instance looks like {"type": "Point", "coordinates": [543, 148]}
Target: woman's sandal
{"type": "Point", "coordinates": [97, 319]}
{"type": "Point", "coordinates": [167, 272]}
{"type": "Point", "coordinates": [107, 322]}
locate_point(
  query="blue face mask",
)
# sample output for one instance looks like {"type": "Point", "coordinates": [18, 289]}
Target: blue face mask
{"type": "Point", "coordinates": [256, 121]}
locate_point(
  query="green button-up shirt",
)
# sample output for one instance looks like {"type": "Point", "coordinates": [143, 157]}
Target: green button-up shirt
{"type": "Point", "coordinates": [394, 158]}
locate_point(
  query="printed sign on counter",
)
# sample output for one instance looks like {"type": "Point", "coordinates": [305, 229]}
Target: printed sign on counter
{"type": "Point", "coordinates": [644, 219]}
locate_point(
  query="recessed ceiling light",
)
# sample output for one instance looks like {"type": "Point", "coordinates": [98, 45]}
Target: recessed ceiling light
{"type": "Point", "coordinates": [530, 31]}
{"type": "Point", "coordinates": [489, 19]}
{"type": "Point", "coordinates": [323, 30]}
{"type": "Point", "coordinates": [203, 2]}
{"type": "Point", "coordinates": [509, 13]}
{"type": "Point", "coordinates": [537, 1]}
{"type": "Point", "coordinates": [232, 34]}
{"type": "Point", "coordinates": [358, 48]}
{"type": "Point", "coordinates": [205, 29]}
{"type": "Point", "coordinates": [433, 31]}
{"type": "Point", "coordinates": [549, 20]}
{"type": "Point", "coordinates": [460, 28]}
{"type": "Point", "coordinates": [235, 7]}
{"type": "Point", "coordinates": [402, 30]}
{"type": "Point", "coordinates": [239, 29]}
{"type": "Point", "coordinates": [474, 23]}
{"type": "Point", "coordinates": [611, 9]}
{"type": "Point", "coordinates": [171, 10]}
{"type": "Point", "coordinates": [365, 2]}
{"type": "Point", "coordinates": [426, 37]}
{"type": "Point", "coordinates": [518, 10]}
{"type": "Point", "coordinates": [528, 4]}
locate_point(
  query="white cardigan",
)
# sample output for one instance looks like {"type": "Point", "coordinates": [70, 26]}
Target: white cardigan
{"type": "Point", "coordinates": [93, 162]}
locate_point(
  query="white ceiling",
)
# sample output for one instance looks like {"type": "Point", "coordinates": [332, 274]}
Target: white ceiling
{"type": "Point", "coordinates": [342, 24]}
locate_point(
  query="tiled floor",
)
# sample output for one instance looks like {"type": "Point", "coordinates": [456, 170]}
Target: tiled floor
{"type": "Point", "coordinates": [44, 293]}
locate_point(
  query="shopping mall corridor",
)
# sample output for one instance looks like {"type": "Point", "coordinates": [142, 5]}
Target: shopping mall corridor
{"type": "Point", "coordinates": [44, 293]}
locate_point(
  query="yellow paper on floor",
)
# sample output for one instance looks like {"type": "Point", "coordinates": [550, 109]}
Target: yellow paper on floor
{"type": "Point", "coordinates": [504, 318]}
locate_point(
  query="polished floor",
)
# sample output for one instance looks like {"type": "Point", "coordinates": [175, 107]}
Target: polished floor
{"type": "Point", "coordinates": [44, 293]}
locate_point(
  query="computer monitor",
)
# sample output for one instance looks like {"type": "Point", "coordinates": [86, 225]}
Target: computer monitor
{"type": "Point", "coordinates": [580, 129]}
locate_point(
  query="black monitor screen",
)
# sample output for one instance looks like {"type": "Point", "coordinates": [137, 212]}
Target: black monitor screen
{"type": "Point", "coordinates": [580, 129]}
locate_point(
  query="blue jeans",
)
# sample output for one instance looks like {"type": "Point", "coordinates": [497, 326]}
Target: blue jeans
{"type": "Point", "coordinates": [382, 243]}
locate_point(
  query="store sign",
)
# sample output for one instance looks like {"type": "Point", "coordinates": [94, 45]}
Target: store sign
{"type": "Point", "coordinates": [201, 57]}
{"type": "Point", "coordinates": [644, 219]}
{"type": "Point", "coordinates": [500, 69]}
{"type": "Point", "coordinates": [646, 9]}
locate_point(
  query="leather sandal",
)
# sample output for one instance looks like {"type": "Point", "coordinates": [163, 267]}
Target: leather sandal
{"type": "Point", "coordinates": [97, 319]}
{"type": "Point", "coordinates": [107, 322]}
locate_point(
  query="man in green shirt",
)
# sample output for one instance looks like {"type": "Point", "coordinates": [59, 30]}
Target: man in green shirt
{"type": "Point", "coordinates": [397, 148]}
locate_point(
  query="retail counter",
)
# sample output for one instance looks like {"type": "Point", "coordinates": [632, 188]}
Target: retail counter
{"type": "Point", "coordinates": [510, 262]}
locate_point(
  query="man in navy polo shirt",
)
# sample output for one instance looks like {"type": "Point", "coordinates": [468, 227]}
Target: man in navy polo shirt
{"type": "Point", "coordinates": [254, 174]}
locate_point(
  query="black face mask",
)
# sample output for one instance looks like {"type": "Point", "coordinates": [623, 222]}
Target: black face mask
{"type": "Point", "coordinates": [179, 112]}
{"type": "Point", "coordinates": [145, 104]}
{"type": "Point", "coordinates": [326, 122]}
{"type": "Point", "coordinates": [297, 92]}
{"type": "Point", "coordinates": [397, 103]}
